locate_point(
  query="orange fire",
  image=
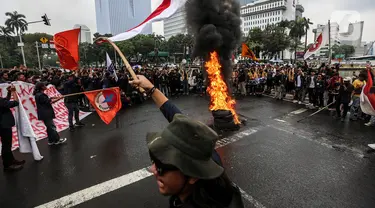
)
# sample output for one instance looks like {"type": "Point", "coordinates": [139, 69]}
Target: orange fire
{"type": "Point", "coordinates": [218, 90]}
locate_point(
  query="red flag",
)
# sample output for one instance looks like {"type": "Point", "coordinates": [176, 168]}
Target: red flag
{"type": "Point", "coordinates": [66, 45]}
{"type": "Point", "coordinates": [107, 102]}
{"type": "Point", "coordinates": [368, 97]}
{"type": "Point", "coordinates": [247, 52]}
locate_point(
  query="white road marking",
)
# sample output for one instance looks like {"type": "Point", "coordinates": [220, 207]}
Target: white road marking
{"type": "Point", "coordinates": [236, 137]}
{"type": "Point", "coordinates": [354, 151]}
{"type": "Point", "coordinates": [130, 178]}
{"type": "Point", "coordinates": [299, 111]}
{"type": "Point", "coordinates": [279, 120]}
{"type": "Point", "coordinates": [97, 190]}
{"type": "Point", "coordinates": [251, 199]}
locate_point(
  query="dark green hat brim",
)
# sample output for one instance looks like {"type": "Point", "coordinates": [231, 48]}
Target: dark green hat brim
{"type": "Point", "coordinates": [168, 154]}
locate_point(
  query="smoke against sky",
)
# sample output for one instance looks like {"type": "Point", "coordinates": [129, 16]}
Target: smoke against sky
{"type": "Point", "coordinates": [216, 26]}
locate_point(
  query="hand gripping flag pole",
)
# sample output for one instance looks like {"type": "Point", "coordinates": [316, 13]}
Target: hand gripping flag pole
{"type": "Point", "coordinates": [128, 67]}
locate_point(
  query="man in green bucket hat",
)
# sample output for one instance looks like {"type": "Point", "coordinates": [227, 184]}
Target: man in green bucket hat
{"type": "Point", "coordinates": [184, 162]}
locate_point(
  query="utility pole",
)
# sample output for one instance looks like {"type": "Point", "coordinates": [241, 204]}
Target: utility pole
{"type": "Point", "coordinates": [21, 44]}
{"type": "Point", "coordinates": [37, 52]}
{"type": "Point", "coordinates": [22, 51]}
{"type": "Point", "coordinates": [115, 58]}
{"type": "Point", "coordinates": [1, 61]}
{"type": "Point", "coordinates": [329, 42]}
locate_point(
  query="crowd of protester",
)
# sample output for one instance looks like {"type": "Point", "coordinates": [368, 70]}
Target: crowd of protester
{"type": "Point", "coordinates": [324, 87]}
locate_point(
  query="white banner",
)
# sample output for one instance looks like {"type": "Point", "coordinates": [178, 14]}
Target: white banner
{"type": "Point", "coordinates": [27, 100]}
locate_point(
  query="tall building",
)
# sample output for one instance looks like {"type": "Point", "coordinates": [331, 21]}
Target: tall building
{"type": "Point", "coordinates": [261, 13]}
{"type": "Point", "coordinates": [117, 16]}
{"type": "Point", "coordinates": [244, 2]}
{"type": "Point", "coordinates": [299, 11]}
{"type": "Point", "coordinates": [352, 36]}
{"type": "Point", "coordinates": [85, 35]}
{"type": "Point", "coordinates": [175, 24]}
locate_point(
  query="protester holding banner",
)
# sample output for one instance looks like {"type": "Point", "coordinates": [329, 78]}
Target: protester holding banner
{"type": "Point", "coordinates": [4, 78]}
{"type": "Point", "coordinates": [46, 113]}
{"type": "Point", "coordinates": [6, 123]}
{"type": "Point", "coordinates": [70, 87]}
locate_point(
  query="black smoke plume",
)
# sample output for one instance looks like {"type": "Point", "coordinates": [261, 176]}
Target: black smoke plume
{"type": "Point", "coordinates": [216, 26]}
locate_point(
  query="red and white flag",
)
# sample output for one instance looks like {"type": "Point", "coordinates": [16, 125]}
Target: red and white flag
{"type": "Point", "coordinates": [166, 9]}
{"type": "Point", "coordinates": [368, 97]}
{"type": "Point", "coordinates": [320, 42]}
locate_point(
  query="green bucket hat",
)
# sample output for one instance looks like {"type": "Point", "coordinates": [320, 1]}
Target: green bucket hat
{"type": "Point", "coordinates": [187, 145]}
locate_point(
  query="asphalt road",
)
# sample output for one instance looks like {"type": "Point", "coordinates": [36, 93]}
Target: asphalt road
{"type": "Point", "coordinates": [276, 161]}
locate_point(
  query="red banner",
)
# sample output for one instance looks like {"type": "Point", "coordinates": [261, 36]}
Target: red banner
{"type": "Point", "coordinates": [66, 45]}
{"type": "Point", "coordinates": [26, 98]}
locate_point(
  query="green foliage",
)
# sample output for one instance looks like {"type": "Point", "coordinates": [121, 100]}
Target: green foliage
{"type": "Point", "coordinates": [274, 40]}
{"type": "Point", "coordinates": [347, 50]}
{"type": "Point", "coordinates": [255, 40]}
{"type": "Point", "coordinates": [16, 22]}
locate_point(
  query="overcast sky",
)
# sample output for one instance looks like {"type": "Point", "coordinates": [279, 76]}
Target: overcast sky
{"type": "Point", "coordinates": [64, 14]}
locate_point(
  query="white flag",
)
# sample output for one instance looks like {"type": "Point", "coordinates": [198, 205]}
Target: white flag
{"type": "Point", "coordinates": [166, 9]}
{"type": "Point", "coordinates": [111, 68]}
{"type": "Point", "coordinates": [26, 134]}
{"type": "Point", "coordinates": [321, 41]}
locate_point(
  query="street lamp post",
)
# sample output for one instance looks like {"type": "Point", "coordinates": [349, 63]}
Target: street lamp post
{"type": "Point", "coordinates": [37, 52]}
{"type": "Point", "coordinates": [21, 44]}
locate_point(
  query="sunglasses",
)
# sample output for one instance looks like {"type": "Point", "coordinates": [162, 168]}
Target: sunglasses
{"type": "Point", "coordinates": [161, 168]}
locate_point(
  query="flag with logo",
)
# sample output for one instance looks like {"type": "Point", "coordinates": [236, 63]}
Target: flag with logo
{"type": "Point", "coordinates": [107, 102]}
{"type": "Point", "coordinates": [111, 67]}
{"type": "Point", "coordinates": [247, 52]}
{"type": "Point", "coordinates": [66, 45]}
{"type": "Point", "coordinates": [321, 41]}
{"type": "Point", "coordinates": [368, 96]}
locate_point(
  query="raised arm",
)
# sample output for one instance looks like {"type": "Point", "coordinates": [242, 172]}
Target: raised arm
{"type": "Point", "coordinates": [166, 107]}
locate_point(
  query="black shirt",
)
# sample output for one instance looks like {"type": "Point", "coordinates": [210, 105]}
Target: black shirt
{"type": "Point", "coordinates": [44, 107]}
{"type": "Point", "coordinates": [6, 116]}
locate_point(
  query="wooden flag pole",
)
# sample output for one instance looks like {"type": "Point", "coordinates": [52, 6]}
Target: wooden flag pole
{"type": "Point", "coordinates": [128, 67]}
{"type": "Point", "coordinates": [80, 93]}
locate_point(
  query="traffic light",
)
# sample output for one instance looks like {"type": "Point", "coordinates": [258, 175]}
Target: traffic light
{"type": "Point", "coordinates": [46, 20]}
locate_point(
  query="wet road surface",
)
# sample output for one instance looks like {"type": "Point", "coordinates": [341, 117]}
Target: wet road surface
{"type": "Point", "coordinates": [275, 160]}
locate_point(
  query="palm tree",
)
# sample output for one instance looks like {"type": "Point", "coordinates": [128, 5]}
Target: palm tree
{"type": "Point", "coordinates": [307, 24]}
{"type": "Point", "coordinates": [297, 30]}
{"type": "Point", "coordinates": [16, 22]}
{"type": "Point", "coordinates": [5, 32]}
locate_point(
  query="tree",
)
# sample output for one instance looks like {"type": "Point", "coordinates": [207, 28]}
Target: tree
{"type": "Point", "coordinates": [16, 22]}
{"type": "Point", "coordinates": [127, 47]}
{"type": "Point", "coordinates": [346, 50]}
{"type": "Point", "coordinates": [255, 40]}
{"type": "Point", "coordinates": [274, 40]}
{"type": "Point", "coordinates": [307, 24]}
{"type": "Point", "coordinates": [143, 44]}
{"type": "Point", "coordinates": [188, 42]}
{"type": "Point", "coordinates": [5, 33]}
{"type": "Point", "coordinates": [176, 44]}
{"type": "Point", "coordinates": [297, 30]}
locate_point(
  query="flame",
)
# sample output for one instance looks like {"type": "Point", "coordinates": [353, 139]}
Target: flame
{"type": "Point", "coordinates": [218, 90]}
